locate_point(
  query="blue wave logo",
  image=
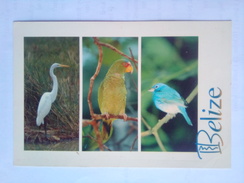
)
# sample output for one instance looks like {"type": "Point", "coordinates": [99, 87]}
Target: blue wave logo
{"type": "Point", "coordinates": [209, 147]}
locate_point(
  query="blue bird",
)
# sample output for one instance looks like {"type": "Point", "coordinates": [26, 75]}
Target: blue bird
{"type": "Point", "coordinates": [169, 100]}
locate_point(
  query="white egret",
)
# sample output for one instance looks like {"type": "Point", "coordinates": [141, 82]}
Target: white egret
{"type": "Point", "coordinates": [48, 98]}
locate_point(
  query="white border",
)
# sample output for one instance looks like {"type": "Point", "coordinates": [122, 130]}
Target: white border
{"type": "Point", "coordinates": [214, 70]}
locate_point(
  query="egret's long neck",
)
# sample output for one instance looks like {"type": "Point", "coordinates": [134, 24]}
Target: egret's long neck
{"type": "Point", "coordinates": [54, 91]}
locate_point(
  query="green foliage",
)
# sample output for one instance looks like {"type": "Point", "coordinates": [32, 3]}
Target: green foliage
{"type": "Point", "coordinates": [39, 54]}
{"type": "Point", "coordinates": [173, 61]}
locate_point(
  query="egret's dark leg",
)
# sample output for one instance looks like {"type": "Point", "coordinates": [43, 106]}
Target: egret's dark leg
{"type": "Point", "coordinates": [45, 128]}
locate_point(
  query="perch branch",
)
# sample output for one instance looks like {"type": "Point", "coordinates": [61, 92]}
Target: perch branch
{"type": "Point", "coordinates": [160, 144]}
{"type": "Point", "coordinates": [104, 116]}
{"type": "Point", "coordinates": [145, 123]}
{"type": "Point", "coordinates": [192, 95]}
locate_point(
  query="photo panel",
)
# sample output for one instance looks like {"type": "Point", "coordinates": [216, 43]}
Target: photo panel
{"type": "Point", "coordinates": [51, 93]}
{"type": "Point", "coordinates": [112, 63]}
{"type": "Point", "coordinates": [169, 80]}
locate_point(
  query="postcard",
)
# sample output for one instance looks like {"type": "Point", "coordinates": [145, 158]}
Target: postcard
{"type": "Point", "coordinates": [122, 94]}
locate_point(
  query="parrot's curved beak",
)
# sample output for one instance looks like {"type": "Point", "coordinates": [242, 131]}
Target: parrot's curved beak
{"type": "Point", "coordinates": [129, 68]}
{"type": "Point", "coordinates": [151, 90]}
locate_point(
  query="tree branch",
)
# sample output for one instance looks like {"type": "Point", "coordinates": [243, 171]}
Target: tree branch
{"type": "Point", "coordinates": [133, 59]}
{"type": "Point", "coordinates": [118, 51]}
{"type": "Point", "coordinates": [160, 144]}
{"type": "Point", "coordinates": [98, 138]}
{"type": "Point", "coordinates": [104, 116]}
{"type": "Point", "coordinates": [98, 135]}
{"type": "Point", "coordinates": [99, 64]}
{"type": "Point", "coordinates": [133, 144]}
{"type": "Point", "coordinates": [145, 123]}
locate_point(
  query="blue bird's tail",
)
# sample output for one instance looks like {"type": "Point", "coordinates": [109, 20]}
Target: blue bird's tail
{"type": "Point", "coordinates": [183, 112]}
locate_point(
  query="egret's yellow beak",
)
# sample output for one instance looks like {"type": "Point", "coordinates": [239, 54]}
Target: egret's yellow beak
{"type": "Point", "coordinates": [61, 65]}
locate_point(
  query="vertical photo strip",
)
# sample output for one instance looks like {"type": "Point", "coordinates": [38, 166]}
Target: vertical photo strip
{"type": "Point", "coordinates": [110, 94]}
{"type": "Point", "coordinates": [51, 93]}
{"type": "Point", "coordinates": [169, 93]}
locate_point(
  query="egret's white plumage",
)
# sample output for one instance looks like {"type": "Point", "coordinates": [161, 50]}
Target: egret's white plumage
{"type": "Point", "coordinates": [43, 108]}
{"type": "Point", "coordinates": [48, 98]}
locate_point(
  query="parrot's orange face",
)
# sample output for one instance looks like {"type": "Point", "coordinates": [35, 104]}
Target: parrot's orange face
{"type": "Point", "coordinates": [128, 67]}
{"type": "Point", "coordinates": [120, 67]}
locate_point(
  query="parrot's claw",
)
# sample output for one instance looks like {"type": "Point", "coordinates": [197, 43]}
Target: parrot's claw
{"type": "Point", "coordinates": [125, 117]}
{"type": "Point", "coordinates": [107, 115]}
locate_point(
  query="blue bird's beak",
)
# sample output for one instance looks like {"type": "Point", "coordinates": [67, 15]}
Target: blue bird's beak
{"type": "Point", "coordinates": [151, 90]}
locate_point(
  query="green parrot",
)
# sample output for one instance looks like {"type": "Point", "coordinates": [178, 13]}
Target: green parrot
{"type": "Point", "coordinates": [112, 97]}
